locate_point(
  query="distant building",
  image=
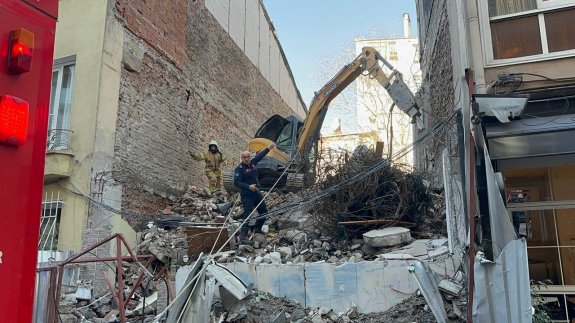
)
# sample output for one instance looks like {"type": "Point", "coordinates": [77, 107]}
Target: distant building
{"type": "Point", "coordinates": [374, 103]}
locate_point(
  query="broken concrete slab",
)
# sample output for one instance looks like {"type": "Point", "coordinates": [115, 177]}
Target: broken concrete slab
{"type": "Point", "coordinates": [450, 287]}
{"type": "Point", "coordinates": [285, 251]}
{"type": "Point", "coordinates": [436, 243]}
{"type": "Point", "coordinates": [416, 248]}
{"type": "Point", "coordinates": [438, 252]}
{"type": "Point", "coordinates": [84, 293]}
{"type": "Point", "coordinates": [229, 280]}
{"type": "Point", "coordinates": [293, 220]}
{"type": "Point", "coordinates": [387, 237]}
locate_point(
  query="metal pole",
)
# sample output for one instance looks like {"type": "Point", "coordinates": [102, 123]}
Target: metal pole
{"type": "Point", "coordinates": [120, 270]}
{"type": "Point", "coordinates": [52, 295]}
{"type": "Point", "coordinates": [136, 284]}
{"type": "Point", "coordinates": [471, 276]}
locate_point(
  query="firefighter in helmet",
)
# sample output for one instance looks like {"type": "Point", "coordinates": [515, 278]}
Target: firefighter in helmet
{"type": "Point", "coordinates": [213, 159]}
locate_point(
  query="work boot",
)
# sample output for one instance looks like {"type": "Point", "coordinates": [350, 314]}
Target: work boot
{"type": "Point", "coordinates": [258, 225]}
{"type": "Point", "coordinates": [244, 236]}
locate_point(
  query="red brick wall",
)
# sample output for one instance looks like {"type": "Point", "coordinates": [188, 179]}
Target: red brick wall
{"type": "Point", "coordinates": [161, 23]}
{"type": "Point", "coordinates": [166, 110]}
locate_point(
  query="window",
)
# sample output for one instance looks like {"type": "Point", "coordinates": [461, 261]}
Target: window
{"type": "Point", "coordinates": [542, 207]}
{"type": "Point", "coordinates": [524, 30]}
{"type": "Point", "coordinates": [285, 138]}
{"type": "Point", "coordinates": [60, 104]}
{"type": "Point", "coordinates": [392, 52]}
{"type": "Point", "coordinates": [50, 222]}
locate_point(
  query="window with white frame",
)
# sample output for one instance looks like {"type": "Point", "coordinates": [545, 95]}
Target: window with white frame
{"type": "Point", "coordinates": [50, 221]}
{"type": "Point", "coordinates": [527, 30]}
{"type": "Point", "coordinates": [60, 103]}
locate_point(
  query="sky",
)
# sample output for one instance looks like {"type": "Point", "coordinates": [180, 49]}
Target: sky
{"type": "Point", "coordinates": [312, 32]}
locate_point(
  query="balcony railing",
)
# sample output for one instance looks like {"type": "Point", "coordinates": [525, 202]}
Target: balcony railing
{"type": "Point", "coordinates": [59, 139]}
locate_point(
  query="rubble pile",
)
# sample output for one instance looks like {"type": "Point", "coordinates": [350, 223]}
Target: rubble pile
{"type": "Point", "coordinates": [263, 307]}
{"type": "Point", "coordinates": [168, 246]}
{"type": "Point", "coordinates": [80, 306]}
{"type": "Point", "coordinates": [389, 195]}
{"type": "Point", "coordinates": [293, 246]}
{"type": "Point", "coordinates": [198, 205]}
{"type": "Point", "coordinates": [333, 230]}
{"type": "Point", "coordinates": [201, 205]}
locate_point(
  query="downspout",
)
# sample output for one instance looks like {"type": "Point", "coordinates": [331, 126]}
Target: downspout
{"type": "Point", "coordinates": [476, 52]}
{"type": "Point", "coordinates": [472, 209]}
{"type": "Point", "coordinates": [477, 74]}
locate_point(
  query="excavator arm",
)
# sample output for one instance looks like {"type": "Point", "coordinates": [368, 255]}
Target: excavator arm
{"type": "Point", "coordinates": [368, 64]}
{"type": "Point", "coordinates": [295, 156]}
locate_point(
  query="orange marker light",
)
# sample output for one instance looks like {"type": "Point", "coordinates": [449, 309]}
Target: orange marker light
{"type": "Point", "coordinates": [13, 120]}
{"type": "Point", "coordinates": [21, 51]}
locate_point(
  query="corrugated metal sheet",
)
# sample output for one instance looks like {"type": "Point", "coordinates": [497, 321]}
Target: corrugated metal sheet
{"type": "Point", "coordinates": [42, 290]}
{"type": "Point", "coordinates": [502, 231]}
{"type": "Point", "coordinates": [373, 286]}
{"type": "Point", "coordinates": [429, 288]}
{"type": "Point", "coordinates": [502, 291]}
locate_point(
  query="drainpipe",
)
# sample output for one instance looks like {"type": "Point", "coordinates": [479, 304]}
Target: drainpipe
{"type": "Point", "coordinates": [476, 52]}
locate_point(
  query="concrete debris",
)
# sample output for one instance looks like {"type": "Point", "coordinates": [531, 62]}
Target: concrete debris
{"type": "Point", "coordinates": [438, 252]}
{"type": "Point", "coordinates": [349, 226]}
{"type": "Point", "coordinates": [168, 246]}
{"type": "Point", "coordinates": [450, 287]}
{"type": "Point", "coordinates": [84, 305]}
{"type": "Point", "coordinates": [197, 205]}
{"type": "Point", "coordinates": [387, 237]}
{"type": "Point", "coordinates": [263, 307]}
{"type": "Point", "coordinates": [229, 281]}
{"type": "Point", "coordinates": [83, 293]}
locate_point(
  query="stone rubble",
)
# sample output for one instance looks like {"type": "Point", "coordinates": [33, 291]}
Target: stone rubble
{"type": "Point", "coordinates": [292, 238]}
{"type": "Point", "coordinates": [263, 307]}
{"type": "Point", "coordinates": [74, 307]}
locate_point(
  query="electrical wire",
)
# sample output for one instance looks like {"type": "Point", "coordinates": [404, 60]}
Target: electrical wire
{"type": "Point", "coordinates": [545, 77]}
{"type": "Point", "coordinates": [361, 176]}
{"type": "Point", "coordinates": [195, 280]}
{"type": "Point", "coordinates": [439, 126]}
{"type": "Point", "coordinates": [563, 112]}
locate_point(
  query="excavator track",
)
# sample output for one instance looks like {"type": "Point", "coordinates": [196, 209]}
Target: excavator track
{"type": "Point", "coordinates": [228, 181]}
{"type": "Point", "coordinates": [295, 182]}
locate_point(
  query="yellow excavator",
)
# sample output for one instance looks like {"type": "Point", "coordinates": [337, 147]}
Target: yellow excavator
{"type": "Point", "coordinates": [296, 139]}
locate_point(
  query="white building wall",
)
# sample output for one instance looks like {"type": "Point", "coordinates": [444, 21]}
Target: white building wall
{"type": "Point", "coordinates": [220, 9]}
{"type": "Point", "coordinates": [247, 24]}
{"type": "Point", "coordinates": [237, 22]}
{"type": "Point", "coordinates": [252, 32]}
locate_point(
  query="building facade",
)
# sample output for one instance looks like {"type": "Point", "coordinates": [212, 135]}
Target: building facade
{"type": "Point", "coordinates": [499, 88]}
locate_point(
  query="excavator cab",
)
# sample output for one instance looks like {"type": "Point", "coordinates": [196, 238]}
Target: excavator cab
{"type": "Point", "coordinates": [284, 133]}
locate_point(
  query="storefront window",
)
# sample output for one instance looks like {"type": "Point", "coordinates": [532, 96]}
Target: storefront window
{"type": "Point", "coordinates": [541, 204]}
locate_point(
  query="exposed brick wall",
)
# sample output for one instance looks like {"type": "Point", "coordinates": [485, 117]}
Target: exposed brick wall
{"type": "Point", "coordinates": [159, 23]}
{"type": "Point", "coordinates": [437, 94]}
{"type": "Point", "coordinates": [140, 206]}
{"type": "Point", "coordinates": [164, 110]}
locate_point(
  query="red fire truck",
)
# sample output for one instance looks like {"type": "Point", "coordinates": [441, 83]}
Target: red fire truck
{"type": "Point", "coordinates": [27, 30]}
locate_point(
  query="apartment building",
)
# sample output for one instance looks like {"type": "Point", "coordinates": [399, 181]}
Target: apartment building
{"type": "Point", "coordinates": [500, 74]}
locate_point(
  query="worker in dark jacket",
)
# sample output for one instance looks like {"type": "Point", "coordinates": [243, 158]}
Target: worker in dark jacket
{"type": "Point", "coordinates": [246, 179]}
